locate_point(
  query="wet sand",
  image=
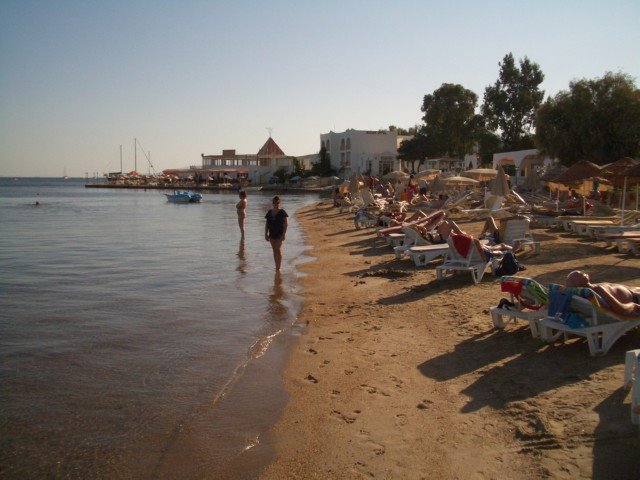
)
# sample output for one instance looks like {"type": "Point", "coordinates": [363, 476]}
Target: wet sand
{"type": "Point", "coordinates": [398, 375]}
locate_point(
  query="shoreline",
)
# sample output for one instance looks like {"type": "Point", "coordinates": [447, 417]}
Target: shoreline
{"type": "Point", "coordinates": [397, 375]}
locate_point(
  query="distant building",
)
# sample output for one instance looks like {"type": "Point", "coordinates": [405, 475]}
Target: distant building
{"type": "Point", "coordinates": [523, 161]}
{"type": "Point", "coordinates": [362, 151]}
{"type": "Point", "coordinates": [445, 164]}
{"type": "Point", "coordinates": [259, 167]}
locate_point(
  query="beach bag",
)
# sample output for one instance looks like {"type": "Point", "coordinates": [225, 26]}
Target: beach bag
{"type": "Point", "coordinates": [508, 265]}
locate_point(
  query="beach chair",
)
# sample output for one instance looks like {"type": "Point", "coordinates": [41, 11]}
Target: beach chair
{"type": "Point", "coordinates": [454, 262]}
{"type": "Point", "coordinates": [599, 231]}
{"type": "Point", "coordinates": [413, 238]}
{"type": "Point", "coordinates": [632, 382]}
{"type": "Point", "coordinates": [529, 299]}
{"type": "Point", "coordinates": [596, 322]}
{"type": "Point", "coordinates": [423, 254]}
{"type": "Point", "coordinates": [492, 204]}
{"type": "Point", "coordinates": [517, 233]}
{"type": "Point", "coordinates": [625, 241]}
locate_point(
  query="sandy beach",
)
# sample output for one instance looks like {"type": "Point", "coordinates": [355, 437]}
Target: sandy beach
{"type": "Point", "coordinates": [398, 375]}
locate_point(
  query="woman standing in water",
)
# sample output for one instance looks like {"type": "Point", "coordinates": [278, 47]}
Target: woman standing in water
{"type": "Point", "coordinates": [276, 229]}
{"type": "Point", "coordinates": [241, 208]}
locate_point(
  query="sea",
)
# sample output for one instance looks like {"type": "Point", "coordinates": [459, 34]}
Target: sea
{"type": "Point", "coordinates": [141, 338]}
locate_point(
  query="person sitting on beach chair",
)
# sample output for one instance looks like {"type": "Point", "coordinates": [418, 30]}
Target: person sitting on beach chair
{"type": "Point", "coordinates": [463, 241]}
{"type": "Point", "coordinates": [620, 298]}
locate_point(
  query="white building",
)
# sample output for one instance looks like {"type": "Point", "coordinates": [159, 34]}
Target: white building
{"type": "Point", "coordinates": [362, 151]}
{"type": "Point", "coordinates": [522, 161]}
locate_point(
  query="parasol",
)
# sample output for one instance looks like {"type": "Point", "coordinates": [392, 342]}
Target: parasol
{"type": "Point", "coordinates": [480, 174]}
{"type": "Point", "coordinates": [458, 180]}
{"type": "Point", "coordinates": [500, 185]}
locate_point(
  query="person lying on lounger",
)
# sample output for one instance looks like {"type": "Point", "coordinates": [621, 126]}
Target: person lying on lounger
{"type": "Point", "coordinates": [620, 298]}
{"type": "Point", "coordinates": [462, 241]}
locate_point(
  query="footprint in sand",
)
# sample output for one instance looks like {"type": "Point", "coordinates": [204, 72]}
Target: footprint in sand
{"type": "Point", "coordinates": [312, 351]}
{"type": "Point", "coordinates": [345, 418]}
{"type": "Point", "coordinates": [373, 390]}
{"type": "Point", "coordinates": [311, 378]}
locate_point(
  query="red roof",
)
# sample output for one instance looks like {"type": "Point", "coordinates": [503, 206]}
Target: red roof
{"type": "Point", "coordinates": [271, 149]}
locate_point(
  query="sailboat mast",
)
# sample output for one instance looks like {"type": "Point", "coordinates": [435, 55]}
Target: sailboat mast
{"type": "Point", "coordinates": [120, 158]}
{"type": "Point", "coordinates": [135, 154]}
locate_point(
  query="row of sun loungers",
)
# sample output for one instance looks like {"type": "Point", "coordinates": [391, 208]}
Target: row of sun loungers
{"type": "Point", "coordinates": [587, 315]}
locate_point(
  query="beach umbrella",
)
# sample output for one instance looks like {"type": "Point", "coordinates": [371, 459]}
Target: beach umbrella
{"type": "Point", "coordinates": [355, 184]}
{"type": "Point", "coordinates": [576, 172]}
{"type": "Point", "coordinates": [616, 171]}
{"type": "Point", "coordinates": [396, 175]}
{"type": "Point", "coordinates": [480, 174]}
{"type": "Point", "coordinates": [634, 174]}
{"type": "Point", "coordinates": [427, 175]}
{"type": "Point", "coordinates": [500, 185]}
{"type": "Point", "coordinates": [436, 185]}
{"type": "Point", "coordinates": [531, 181]}
{"type": "Point", "coordinates": [553, 172]}
{"type": "Point", "coordinates": [458, 180]}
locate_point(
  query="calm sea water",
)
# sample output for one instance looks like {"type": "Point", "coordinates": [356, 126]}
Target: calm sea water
{"type": "Point", "coordinates": [138, 338]}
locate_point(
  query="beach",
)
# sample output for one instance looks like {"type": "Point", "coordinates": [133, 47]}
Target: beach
{"type": "Point", "coordinates": [399, 375]}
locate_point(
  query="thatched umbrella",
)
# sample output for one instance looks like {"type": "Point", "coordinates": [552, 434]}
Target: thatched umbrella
{"type": "Point", "coordinates": [577, 172]}
{"type": "Point", "coordinates": [553, 172]}
{"type": "Point", "coordinates": [632, 173]}
{"type": "Point", "coordinates": [616, 171]}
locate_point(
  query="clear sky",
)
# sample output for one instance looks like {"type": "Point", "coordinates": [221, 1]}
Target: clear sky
{"type": "Point", "coordinates": [79, 79]}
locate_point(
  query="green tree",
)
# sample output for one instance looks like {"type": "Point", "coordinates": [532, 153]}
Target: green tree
{"type": "Point", "coordinates": [404, 131]}
{"type": "Point", "coordinates": [413, 150]}
{"type": "Point", "coordinates": [322, 167]}
{"type": "Point", "coordinates": [596, 120]}
{"type": "Point", "coordinates": [510, 104]}
{"type": "Point", "coordinates": [281, 174]}
{"type": "Point", "coordinates": [298, 167]}
{"type": "Point", "coordinates": [449, 120]}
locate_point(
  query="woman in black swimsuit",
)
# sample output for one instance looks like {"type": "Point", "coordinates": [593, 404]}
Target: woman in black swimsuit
{"type": "Point", "coordinates": [276, 229]}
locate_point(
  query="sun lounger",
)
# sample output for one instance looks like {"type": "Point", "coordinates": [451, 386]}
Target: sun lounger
{"type": "Point", "coordinates": [492, 204]}
{"type": "Point", "coordinates": [454, 262]}
{"type": "Point", "coordinates": [529, 300]}
{"type": "Point", "coordinates": [632, 382]}
{"type": "Point", "coordinates": [602, 328]}
{"type": "Point", "coordinates": [423, 254]}
{"type": "Point", "coordinates": [517, 233]}
{"type": "Point", "coordinates": [597, 231]}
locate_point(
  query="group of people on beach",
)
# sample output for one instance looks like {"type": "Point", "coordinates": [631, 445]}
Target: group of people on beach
{"type": "Point", "coordinates": [276, 225]}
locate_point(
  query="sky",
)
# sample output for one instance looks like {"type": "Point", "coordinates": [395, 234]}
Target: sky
{"type": "Point", "coordinates": [80, 79]}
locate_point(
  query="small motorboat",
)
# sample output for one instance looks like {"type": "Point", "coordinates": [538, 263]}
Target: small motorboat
{"type": "Point", "coordinates": [183, 197]}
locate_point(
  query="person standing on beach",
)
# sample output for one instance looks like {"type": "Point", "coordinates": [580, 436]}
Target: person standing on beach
{"type": "Point", "coordinates": [275, 229]}
{"type": "Point", "coordinates": [241, 208]}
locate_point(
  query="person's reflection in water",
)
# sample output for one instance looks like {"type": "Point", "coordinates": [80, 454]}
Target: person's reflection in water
{"type": "Point", "coordinates": [242, 257]}
{"type": "Point", "coordinates": [277, 308]}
